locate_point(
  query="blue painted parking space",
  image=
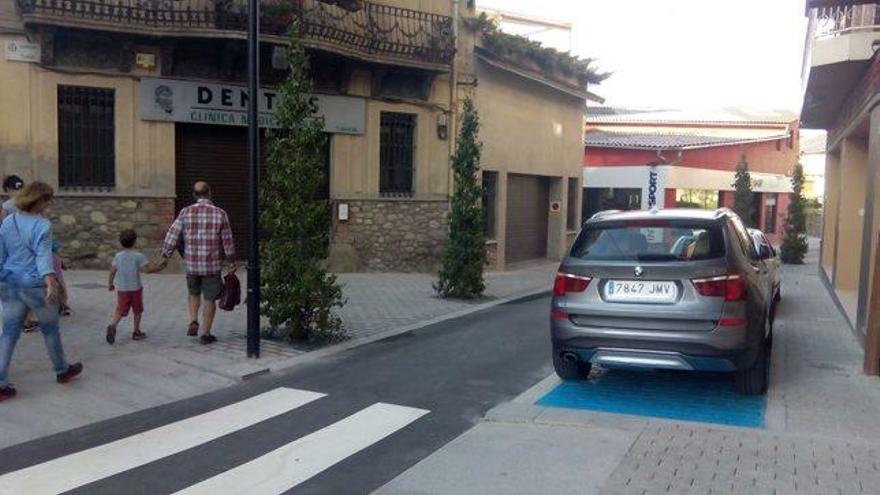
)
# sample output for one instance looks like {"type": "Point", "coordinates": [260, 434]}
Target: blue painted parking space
{"type": "Point", "coordinates": [688, 396]}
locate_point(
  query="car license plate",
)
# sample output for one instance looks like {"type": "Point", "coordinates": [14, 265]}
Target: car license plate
{"type": "Point", "coordinates": [640, 291]}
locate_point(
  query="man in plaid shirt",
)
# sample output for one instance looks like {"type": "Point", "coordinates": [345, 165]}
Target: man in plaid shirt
{"type": "Point", "coordinates": [207, 240]}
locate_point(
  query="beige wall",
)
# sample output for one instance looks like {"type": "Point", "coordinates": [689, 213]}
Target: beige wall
{"type": "Point", "coordinates": [29, 130]}
{"type": "Point", "coordinates": [355, 158]}
{"type": "Point", "coordinates": [528, 128]}
{"type": "Point", "coordinates": [145, 157]}
{"type": "Point", "coordinates": [853, 167]}
{"type": "Point", "coordinates": [872, 180]}
{"type": "Point", "coordinates": [832, 201]}
{"type": "Point", "coordinates": [9, 19]}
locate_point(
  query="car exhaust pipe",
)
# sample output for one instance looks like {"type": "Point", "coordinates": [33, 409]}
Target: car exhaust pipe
{"type": "Point", "coordinates": [570, 357]}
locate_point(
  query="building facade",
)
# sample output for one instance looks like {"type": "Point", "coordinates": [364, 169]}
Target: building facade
{"type": "Point", "coordinates": [813, 145]}
{"type": "Point", "coordinates": [122, 107]}
{"type": "Point", "coordinates": [666, 159]}
{"type": "Point", "coordinates": [841, 95]}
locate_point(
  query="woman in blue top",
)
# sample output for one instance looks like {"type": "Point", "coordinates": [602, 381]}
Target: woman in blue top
{"type": "Point", "coordinates": [28, 281]}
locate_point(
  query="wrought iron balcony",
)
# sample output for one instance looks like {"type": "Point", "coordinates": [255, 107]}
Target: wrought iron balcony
{"type": "Point", "coordinates": [842, 19]}
{"type": "Point", "coordinates": [375, 31]}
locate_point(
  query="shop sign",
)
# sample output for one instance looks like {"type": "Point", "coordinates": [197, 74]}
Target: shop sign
{"type": "Point", "coordinates": [652, 187]}
{"type": "Point", "coordinates": [21, 51]}
{"type": "Point", "coordinates": [172, 100]}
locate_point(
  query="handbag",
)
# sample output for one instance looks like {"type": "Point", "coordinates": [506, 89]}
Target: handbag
{"type": "Point", "coordinates": [230, 295]}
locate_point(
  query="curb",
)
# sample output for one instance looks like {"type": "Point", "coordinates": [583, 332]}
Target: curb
{"type": "Point", "coordinates": [313, 356]}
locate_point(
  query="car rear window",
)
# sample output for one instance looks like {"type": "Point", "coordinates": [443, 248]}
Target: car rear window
{"type": "Point", "coordinates": [661, 240]}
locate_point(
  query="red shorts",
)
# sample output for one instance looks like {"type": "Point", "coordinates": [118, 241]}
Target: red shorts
{"type": "Point", "coordinates": [130, 300]}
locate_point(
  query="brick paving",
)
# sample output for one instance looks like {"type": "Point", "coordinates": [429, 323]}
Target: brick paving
{"type": "Point", "coordinates": [822, 434]}
{"type": "Point", "coordinates": [690, 459]}
{"type": "Point", "coordinates": [376, 302]}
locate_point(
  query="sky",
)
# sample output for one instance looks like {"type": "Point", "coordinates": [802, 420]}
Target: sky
{"type": "Point", "coordinates": [685, 53]}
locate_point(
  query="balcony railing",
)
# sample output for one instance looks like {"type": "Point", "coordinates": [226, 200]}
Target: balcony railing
{"type": "Point", "coordinates": [378, 30]}
{"type": "Point", "coordinates": [841, 19]}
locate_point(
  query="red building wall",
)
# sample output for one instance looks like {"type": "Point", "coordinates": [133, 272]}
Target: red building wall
{"type": "Point", "coordinates": [669, 198]}
{"type": "Point", "coordinates": [774, 157]}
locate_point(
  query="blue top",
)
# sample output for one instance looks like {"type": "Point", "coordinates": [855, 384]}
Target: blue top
{"type": "Point", "coordinates": [128, 264]}
{"type": "Point", "coordinates": [9, 206]}
{"type": "Point", "coordinates": [25, 250]}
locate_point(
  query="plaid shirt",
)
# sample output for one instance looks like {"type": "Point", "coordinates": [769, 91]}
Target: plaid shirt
{"type": "Point", "coordinates": [205, 229]}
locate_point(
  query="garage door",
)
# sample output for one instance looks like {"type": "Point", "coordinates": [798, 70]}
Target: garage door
{"type": "Point", "coordinates": [216, 154]}
{"type": "Point", "coordinates": [528, 199]}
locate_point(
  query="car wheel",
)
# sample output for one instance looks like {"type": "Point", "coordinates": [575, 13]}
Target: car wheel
{"type": "Point", "coordinates": [755, 380]}
{"type": "Point", "coordinates": [570, 369]}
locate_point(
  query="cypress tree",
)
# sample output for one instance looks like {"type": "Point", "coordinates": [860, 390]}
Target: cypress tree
{"type": "Point", "coordinates": [299, 296]}
{"type": "Point", "coordinates": [742, 195]}
{"type": "Point", "coordinates": [794, 244]}
{"type": "Point", "coordinates": [465, 256]}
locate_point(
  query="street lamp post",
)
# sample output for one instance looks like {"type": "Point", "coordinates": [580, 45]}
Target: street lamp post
{"type": "Point", "coordinates": [253, 272]}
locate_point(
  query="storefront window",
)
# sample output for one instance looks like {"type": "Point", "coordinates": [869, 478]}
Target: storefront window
{"type": "Point", "coordinates": [597, 199]}
{"type": "Point", "coordinates": [696, 198]}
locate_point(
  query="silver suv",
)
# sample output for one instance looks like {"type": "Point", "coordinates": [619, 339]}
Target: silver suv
{"type": "Point", "coordinates": [677, 289]}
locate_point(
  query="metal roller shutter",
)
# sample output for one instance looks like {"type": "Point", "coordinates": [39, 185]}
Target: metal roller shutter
{"type": "Point", "coordinates": [216, 154]}
{"type": "Point", "coordinates": [528, 199]}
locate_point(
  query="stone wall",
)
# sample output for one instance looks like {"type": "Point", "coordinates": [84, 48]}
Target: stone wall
{"type": "Point", "coordinates": [87, 227]}
{"type": "Point", "coordinates": [396, 235]}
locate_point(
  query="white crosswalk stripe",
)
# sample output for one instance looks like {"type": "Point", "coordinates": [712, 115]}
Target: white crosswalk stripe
{"type": "Point", "coordinates": [81, 468]}
{"type": "Point", "coordinates": [284, 468]}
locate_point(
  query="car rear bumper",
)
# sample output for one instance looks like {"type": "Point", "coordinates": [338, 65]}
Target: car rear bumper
{"type": "Point", "coordinates": [721, 349]}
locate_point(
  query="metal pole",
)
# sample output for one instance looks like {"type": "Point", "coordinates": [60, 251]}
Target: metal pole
{"type": "Point", "coordinates": [253, 275]}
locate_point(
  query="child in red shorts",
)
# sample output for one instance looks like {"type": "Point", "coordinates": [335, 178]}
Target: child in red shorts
{"type": "Point", "coordinates": [125, 279]}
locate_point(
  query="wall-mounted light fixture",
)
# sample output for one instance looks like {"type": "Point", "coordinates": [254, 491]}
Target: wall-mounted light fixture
{"type": "Point", "coordinates": [442, 126]}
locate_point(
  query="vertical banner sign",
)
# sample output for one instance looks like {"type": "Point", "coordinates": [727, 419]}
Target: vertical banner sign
{"type": "Point", "coordinates": [652, 186]}
{"type": "Point", "coordinates": [653, 235]}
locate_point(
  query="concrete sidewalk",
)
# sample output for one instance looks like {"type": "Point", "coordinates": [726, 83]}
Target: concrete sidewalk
{"type": "Point", "coordinates": [169, 366]}
{"type": "Point", "coordinates": [821, 432]}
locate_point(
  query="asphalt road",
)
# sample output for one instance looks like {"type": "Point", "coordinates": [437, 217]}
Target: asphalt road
{"type": "Point", "coordinates": [455, 370]}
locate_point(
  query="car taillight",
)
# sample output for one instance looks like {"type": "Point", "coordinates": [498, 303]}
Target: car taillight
{"type": "Point", "coordinates": [730, 287]}
{"type": "Point", "coordinates": [566, 282]}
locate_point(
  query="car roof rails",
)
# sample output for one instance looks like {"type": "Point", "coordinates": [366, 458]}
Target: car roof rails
{"type": "Point", "coordinates": [719, 212]}
{"type": "Point", "coordinates": [600, 214]}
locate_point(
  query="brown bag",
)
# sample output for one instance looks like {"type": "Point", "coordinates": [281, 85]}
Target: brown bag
{"type": "Point", "coordinates": [230, 296]}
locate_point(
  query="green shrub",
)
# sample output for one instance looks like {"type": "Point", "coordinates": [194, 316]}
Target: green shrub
{"type": "Point", "coordinates": [742, 194]}
{"type": "Point", "coordinates": [465, 253]}
{"type": "Point", "coordinates": [794, 244]}
{"type": "Point", "coordinates": [299, 297]}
